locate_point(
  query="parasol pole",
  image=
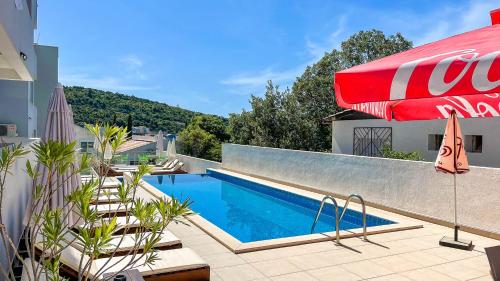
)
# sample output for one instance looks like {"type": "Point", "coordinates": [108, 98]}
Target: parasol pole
{"type": "Point", "coordinates": [455, 192]}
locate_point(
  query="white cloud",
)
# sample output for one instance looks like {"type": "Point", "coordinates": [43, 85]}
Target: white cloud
{"type": "Point", "coordinates": [452, 20]}
{"type": "Point", "coordinates": [318, 50]}
{"type": "Point", "coordinates": [134, 65]}
{"type": "Point", "coordinates": [132, 61]}
{"type": "Point", "coordinates": [260, 78]}
{"type": "Point", "coordinates": [105, 83]}
{"type": "Point", "coordinates": [253, 81]}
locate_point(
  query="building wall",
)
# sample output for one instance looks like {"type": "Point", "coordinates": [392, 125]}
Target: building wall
{"type": "Point", "coordinates": [195, 165]}
{"type": "Point", "coordinates": [411, 187]}
{"type": "Point", "coordinates": [15, 106]}
{"type": "Point", "coordinates": [413, 136]}
{"type": "Point", "coordinates": [16, 195]}
{"type": "Point", "coordinates": [47, 78]}
{"type": "Point", "coordinates": [18, 26]}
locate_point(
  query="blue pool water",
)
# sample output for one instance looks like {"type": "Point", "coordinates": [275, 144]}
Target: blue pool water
{"type": "Point", "coordinates": [250, 211]}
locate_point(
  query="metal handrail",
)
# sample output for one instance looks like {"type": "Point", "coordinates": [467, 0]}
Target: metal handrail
{"type": "Point", "coordinates": [363, 207]}
{"type": "Point", "coordinates": [337, 221]}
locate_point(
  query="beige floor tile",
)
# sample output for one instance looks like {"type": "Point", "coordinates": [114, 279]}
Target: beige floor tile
{"type": "Point", "coordinates": [371, 251]}
{"type": "Point", "coordinates": [275, 267]}
{"type": "Point", "coordinates": [422, 258]}
{"type": "Point", "coordinates": [210, 249]}
{"type": "Point", "coordinates": [214, 276]}
{"type": "Point", "coordinates": [392, 277]}
{"type": "Point", "coordinates": [367, 269]}
{"type": "Point", "coordinates": [299, 276]}
{"type": "Point", "coordinates": [451, 254]}
{"type": "Point", "coordinates": [197, 240]}
{"type": "Point", "coordinates": [311, 261]}
{"type": "Point", "coordinates": [479, 262]}
{"type": "Point", "coordinates": [396, 263]}
{"type": "Point", "coordinates": [458, 271]}
{"type": "Point", "coordinates": [342, 256]}
{"type": "Point", "coordinates": [223, 260]}
{"type": "Point", "coordinates": [484, 278]}
{"type": "Point", "coordinates": [243, 272]}
{"type": "Point", "coordinates": [333, 273]}
{"type": "Point", "coordinates": [426, 274]}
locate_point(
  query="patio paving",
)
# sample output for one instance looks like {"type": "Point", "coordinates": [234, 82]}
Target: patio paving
{"type": "Point", "coordinates": [404, 255]}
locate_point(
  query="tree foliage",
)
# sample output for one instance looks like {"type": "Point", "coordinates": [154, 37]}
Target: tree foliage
{"type": "Point", "coordinates": [203, 137]}
{"type": "Point", "coordinates": [294, 118]}
{"type": "Point", "coordinates": [388, 152]}
{"type": "Point", "coordinates": [93, 106]}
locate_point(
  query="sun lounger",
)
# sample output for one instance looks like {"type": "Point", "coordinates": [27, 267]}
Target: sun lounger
{"type": "Point", "coordinates": [105, 199]}
{"type": "Point", "coordinates": [493, 254]}
{"type": "Point", "coordinates": [118, 209]}
{"type": "Point", "coordinates": [122, 244]}
{"type": "Point", "coordinates": [176, 169]}
{"type": "Point", "coordinates": [124, 224]}
{"type": "Point", "coordinates": [109, 182]}
{"type": "Point", "coordinates": [177, 264]}
{"type": "Point", "coordinates": [172, 265]}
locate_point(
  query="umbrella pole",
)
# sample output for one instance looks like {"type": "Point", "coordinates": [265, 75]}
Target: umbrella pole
{"type": "Point", "coordinates": [455, 193]}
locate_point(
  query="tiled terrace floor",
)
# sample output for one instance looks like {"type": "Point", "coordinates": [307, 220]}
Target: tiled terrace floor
{"type": "Point", "coordinates": [404, 255]}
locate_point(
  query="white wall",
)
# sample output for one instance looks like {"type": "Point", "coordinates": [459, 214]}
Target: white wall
{"type": "Point", "coordinates": [409, 186]}
{"type": "Point", "coordinates": [46, 81]}
{"type": "Point", "coordinates": [16, 195]}
{"type": "Point", "coordinates": [16, 35]}
{"type": "Point", "coordinates": [15, 106]}
{"type": "Point", "coordinates": [195, 165]}
{"type": "Point", "coordinates": [413, 136]}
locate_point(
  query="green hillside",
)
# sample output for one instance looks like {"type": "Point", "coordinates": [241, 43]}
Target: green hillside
{"type": "Point", "coordinates": [91, 106]}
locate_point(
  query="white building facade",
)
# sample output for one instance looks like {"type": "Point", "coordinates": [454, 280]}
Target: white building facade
{"type": "Point", "coordinates": [361, 134]}
{"type": "Point", "coordinates": [28, 76]}
{"type": "Point", "coordinates": [28, 72]}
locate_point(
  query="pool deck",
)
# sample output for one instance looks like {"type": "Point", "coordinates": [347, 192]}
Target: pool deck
{"type": "Point", "coordinates": [402, 255]}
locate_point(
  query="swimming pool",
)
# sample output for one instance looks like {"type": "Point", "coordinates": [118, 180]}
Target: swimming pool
{"type": "Point", "coordinates": [251, 211]}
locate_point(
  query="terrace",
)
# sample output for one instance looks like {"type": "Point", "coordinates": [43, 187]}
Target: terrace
{"type": "Point", "coordinates": [255, 215]}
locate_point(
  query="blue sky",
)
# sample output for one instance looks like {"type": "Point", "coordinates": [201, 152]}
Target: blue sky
{"type": "Point", "coordinates": [209, 56]}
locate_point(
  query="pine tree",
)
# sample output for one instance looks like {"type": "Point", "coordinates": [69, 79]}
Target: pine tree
{"type": "Point", "coordinates": [129, 125]}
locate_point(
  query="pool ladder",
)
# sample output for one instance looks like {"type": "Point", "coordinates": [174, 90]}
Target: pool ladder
{"type": "Point", "coordinates": [337, 218]}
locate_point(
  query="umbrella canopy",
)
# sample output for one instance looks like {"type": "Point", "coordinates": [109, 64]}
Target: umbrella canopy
{"type": "Point", "coordinates": [60, 127]}
{"type": "Point", "coordinates": [460, 73]}
{"type": "Point", "coordinates": [452, 158]}
{"type": "Point", "coordinates": [159, 144]}
{"type": "Point", "coordinates": [171, 151]}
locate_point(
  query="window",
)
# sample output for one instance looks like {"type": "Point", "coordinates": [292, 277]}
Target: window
{"type": "Point", "coordinates": [434, 142]}
{"type": "Point", "coordinates": [87, 146]}
{"type": "Point", "coordinates": [474, 143]}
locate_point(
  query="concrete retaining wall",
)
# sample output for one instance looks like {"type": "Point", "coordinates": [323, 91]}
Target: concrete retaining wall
{"type": "Point", "coordinates": [194, 165]}
{"type": "Point", "coordinates": [16, 195]}
{"type": "Point", "coordinates": [408, 186]}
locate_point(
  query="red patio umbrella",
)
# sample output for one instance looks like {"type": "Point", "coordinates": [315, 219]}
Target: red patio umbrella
{"type": "Point", "coordinates": [459, 74]}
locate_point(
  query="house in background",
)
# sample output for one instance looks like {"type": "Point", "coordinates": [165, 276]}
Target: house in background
{"type": "Point", "coordinates": [28, 72]}
{"type": "Point", "coordinates": [128, 153]}
{"type": "Point", "coordinates": [140, 130]}
{"type": "Point", "coordinates": [28, 76]}
{"type": "Point", "coordinates": [362, 134]}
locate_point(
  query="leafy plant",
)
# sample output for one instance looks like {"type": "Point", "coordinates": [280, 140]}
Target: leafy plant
{"type": "Point", "coordinates": [293, 118]}
{"type": "Point", "coordinates": [52, 230]}
{"type": "Point", "coordinates": [388, 152]}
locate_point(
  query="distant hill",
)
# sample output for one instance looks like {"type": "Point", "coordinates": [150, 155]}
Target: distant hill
{"type": "Point", "coordinates": [91, 106]}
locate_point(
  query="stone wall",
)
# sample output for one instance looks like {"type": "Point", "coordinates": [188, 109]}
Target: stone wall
{"type": "Point", "coordinates": [195, 165]}
{"type": "Point", "coordinates": [408, 186]}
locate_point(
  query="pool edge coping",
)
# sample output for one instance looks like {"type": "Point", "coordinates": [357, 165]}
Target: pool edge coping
{"type": "Point", "coordinates": [237, 247]}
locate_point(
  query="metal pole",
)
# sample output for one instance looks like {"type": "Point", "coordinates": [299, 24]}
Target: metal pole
{"type": "Point", "coordinates": [455, 192]}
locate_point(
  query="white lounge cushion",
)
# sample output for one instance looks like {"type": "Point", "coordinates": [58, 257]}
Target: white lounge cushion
{"type": "Point", "coordinates": [169, 261]}
{"type": "Point", "coordinates": [127, 242]}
